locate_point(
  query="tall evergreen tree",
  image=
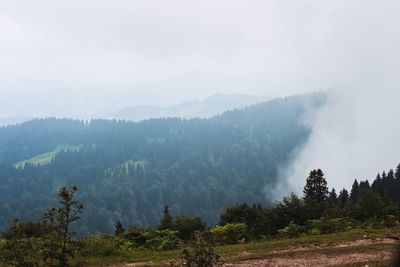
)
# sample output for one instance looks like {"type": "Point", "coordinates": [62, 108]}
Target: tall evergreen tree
{"type": "Point", "coordinates": [364, 186]}
{"type": "Point", "coordinates": [119, 228]}
{"type": "Point", "coordinates": [316, 186]}
{"type": "Point", "coordinates": [354, 192]}
{"type": "Point", "coordinates": [332, 197]}
{"type": "Point", "coordinates": [166, 222]}
{"type": "Point", "coordinates": [343, 198]}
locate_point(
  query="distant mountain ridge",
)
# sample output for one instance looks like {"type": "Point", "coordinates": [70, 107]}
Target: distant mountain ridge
{"type": "Point", "coordinates": [5, 121]}
{"type": "Point", "coordinates": [211, 106]}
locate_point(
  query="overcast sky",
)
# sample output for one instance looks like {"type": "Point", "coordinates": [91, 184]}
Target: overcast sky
{"type": "Point", "coordinates": [82, 56]}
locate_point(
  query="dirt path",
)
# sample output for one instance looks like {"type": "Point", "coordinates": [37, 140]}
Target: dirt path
{"type": "Point", "coordinates": [318, 260]}
{"type": "Point", "coordinates": [307, 255]}
{"type": "Point", "coordinates": [133, 264]}
{"type": "Point", "coordinates": [310, 255]}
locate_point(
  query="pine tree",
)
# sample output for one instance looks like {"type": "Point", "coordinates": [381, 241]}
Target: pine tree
{"type": "Point", "coordinates": [166, 221]}
{"type": "Point", "coordinates": [354, 192]}
{"type": "Point", "coordinates": [343, 198]}
{"type": "Point", "coordinates": [397, 184]}
{"type": "Point", "coordinates": [316, 187]}
{"type": "Point", "coordinates": [119, 228]}
{"type": "Point", "coordinates": [363, 186]}
{"type": "Point", "coordinates": [332, 198]}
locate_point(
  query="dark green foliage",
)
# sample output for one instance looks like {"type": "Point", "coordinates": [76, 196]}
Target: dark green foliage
{"type": "Point", "coordinates": [369, 204]}
{"type": "Point", "coordinates": [100, 246]}
{"type": "Point", "coordinates": [166, 221]}
{"type": "Point", "coordinates": [289, 209]}
{"type": "Point", "coordinates": [20, 249]}
{"type": "Point", "coordinates": [27, 229]}
{"type": "Point", "coordinates": [316, 188]}
{"type": "Point", "coordinates": [293, 216]}
{"type": "Point", "coordinates": [332, 197]}
{"type": "Point", "coordinates": [45, 243]}
{"type": "Point", "coordinates": [231, 233]}
{"type": "Point", "coordinates": [119, 228]}
{"type": "Point", "coordinates": [201, 253]}
{"type": "Point", "coordinates": [343, 198]}
{"type": "Point", "coordinates": [257, 218]}
{"type": "Point", "coordinates": [50, 243]}
{"type": "Point", "coordinates": [354, 192]}
{"type": "Point", "coordinates": [186, 226]}
{"type": "Point", "coordinates": [292, 230]}
{"type": "Point", "coordinates": [327, 226]}
{"type": "Point", "coordinates": [126, 171]}
{"type": "Point", "coordinates": [59, 244]}
{"type": "Point", "coordinates": [315, 194]}
{"type": "Point", "coordinates": [141, 238]}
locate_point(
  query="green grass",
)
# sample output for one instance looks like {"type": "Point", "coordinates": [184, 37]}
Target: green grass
{"type": "Point", "coordinates": [46, 158]}
{"type": "Point", "coordinates": [263, 249]}
{"type": "Point", "coordinates": [279, 244]}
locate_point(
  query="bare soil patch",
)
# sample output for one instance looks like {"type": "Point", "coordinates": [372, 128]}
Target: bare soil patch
{"type": "Point", "coordinates": [311, 256]}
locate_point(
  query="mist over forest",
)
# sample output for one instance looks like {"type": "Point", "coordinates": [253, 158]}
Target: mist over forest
{"type": "Point", "coordinates": [128, 171]}
{"type": "Point", "coordinates": [165, 125]}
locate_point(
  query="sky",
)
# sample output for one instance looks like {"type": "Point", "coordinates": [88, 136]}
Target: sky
{"type": "Point", "coordinates": [81, 58]}
{"type": "Point", "coordinates": [86, 58]}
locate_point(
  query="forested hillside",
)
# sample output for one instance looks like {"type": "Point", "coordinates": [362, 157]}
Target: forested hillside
{"type": "Point", "coordinates": [128, 171]}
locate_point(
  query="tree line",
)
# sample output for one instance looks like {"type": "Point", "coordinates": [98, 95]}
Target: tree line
{"type": "Point", "coordinates": [51, 242]}
{"type": "Point", "coordinates": [128, 171]}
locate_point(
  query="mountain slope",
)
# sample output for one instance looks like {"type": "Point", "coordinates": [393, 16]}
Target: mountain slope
{"type": "Point", "coordinates": [213, 105]}
{"type": "Point", "coordinates": [128, 171]}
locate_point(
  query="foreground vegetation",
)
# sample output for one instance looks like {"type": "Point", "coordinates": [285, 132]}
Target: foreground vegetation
{"type": "Point", "coordinates": [319, 217]}
{"type": "Point", "coordinates": [104, 252]}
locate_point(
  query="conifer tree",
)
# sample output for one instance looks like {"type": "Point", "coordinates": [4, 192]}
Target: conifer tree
{"type": "Point", "coordinates": [316, 188]}
{"type": "Point", "coordinates": [119, 228]}
{"type": "Point", "coordinates": [354, 192]}
{"type": "Point", "coordinates": [343, 198]}
{"type": "Point", "coordinates": [332, 197]}
{"type": "Point", "coordinates": [166, 221]}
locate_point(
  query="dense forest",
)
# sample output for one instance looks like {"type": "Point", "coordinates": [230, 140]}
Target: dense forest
{"type": "Point", "coordinates": [128, 171]}
{"type": "Point", "coordinates": [366, 209]}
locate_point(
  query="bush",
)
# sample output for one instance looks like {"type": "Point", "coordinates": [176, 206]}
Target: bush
{"type": "Point", "coordinates": [21, 252]}
{"type": "Point", "coordinates": [230, 233]}
{"type": "Point", "coordinates": [326, 226]}
{"type": "Point", "coordinates": [390, 221]}
{"type": "Point", "coordinates": [372, 222]}
{"type": "Point", "coordinates": [186, 226]}
{"type": "Point", "coordinates": [201, 253]}
{"type": "Point", "coordinates": [150, 239]}
{"type": "Point", "coordinates": [292, 230]}
{"type": "Point", "coordinates": [100, 246]}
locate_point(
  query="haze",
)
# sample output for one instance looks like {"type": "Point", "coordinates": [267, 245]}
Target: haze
{"type": "Point", "coordinates": [82, 58]}
{"type": "Point", "coordinates": [85, 59]}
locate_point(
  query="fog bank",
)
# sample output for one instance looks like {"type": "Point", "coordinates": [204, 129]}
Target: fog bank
{"type": "Point", "coordinates": [355, 135]}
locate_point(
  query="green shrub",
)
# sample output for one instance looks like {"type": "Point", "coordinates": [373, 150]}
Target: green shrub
{"type": "Point", "coordinates": [200, 253]}
{"type": "Point", "coordinates": [292, 230]}
{"type": "Point", "coordinates": [230, 233]}
{"type": "Point", "coordinates": [372, 222]}
{"type": "Point", "coordinates": [22, 252]}
{"type": "Point", "coordinates": [326, 226]}
{"type": "Point", "coordinates": [140, 238]}
{"type": "Point", "coordinates": [390, 221]}
{"type": "Point", "coordinates": [100, 246]}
